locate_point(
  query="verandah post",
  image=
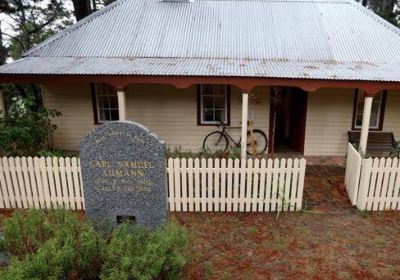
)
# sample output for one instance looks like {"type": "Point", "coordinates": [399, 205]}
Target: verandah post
{"type": "Point", "coordinates": [245, 109]}
{"type": "Point", "coordinates": [121, 104]}
{"type": "Point", "coordinates": [365, 123]}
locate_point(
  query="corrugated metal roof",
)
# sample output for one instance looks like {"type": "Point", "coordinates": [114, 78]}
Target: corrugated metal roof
{"type": "Point", "coordinates": [321, 39]}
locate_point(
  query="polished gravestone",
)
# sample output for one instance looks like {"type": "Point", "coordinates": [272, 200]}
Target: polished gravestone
{"type": "Point", "coordinates": [124, 174]}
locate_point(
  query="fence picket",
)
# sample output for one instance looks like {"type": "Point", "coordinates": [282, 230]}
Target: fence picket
{"type": "Point", "coordinates": [203, 195]}
{"type": "Point", "coordinates": [249, 184]}
{"type": "Point", "coordinates": [223, 198]}
{"type": "Point", "coordinates": [216, 193]}
{"type": "Point", "coordinates": [242, 186]}
{"type": "Point", "coordinates": [5, 200]}
{"type": "Point", "coordinates": [171, 191]}
{"type": "Point", "coordinates": [229, 185]}
{"type": "Point", "coordinates": [21, 183]}
{"type": "Point", "coordinates": [190, 186]}
{"type": "Point", "coordinates": [63, 175]}
{"type": "Point", "coordinates": [57, 182]}
{"type": "Point", "coordinates": [262, 186]}
{"type": "Point", "coordinates": [184, 184]}
{"type": "Point", "coordinates": [68, 169]}
{"type": "Point", "coordinates": [27, 182]}
{"type": "Point", "coordinates": [256, 188]}
{"type": "Point", "coordinates": [50, 179]}
{"type": "Point", "coordinates": [197, 184]}
{"type": "Point", "coordinates": [236, 186]}
{"type": "Point", "coordinates": [76, 187]}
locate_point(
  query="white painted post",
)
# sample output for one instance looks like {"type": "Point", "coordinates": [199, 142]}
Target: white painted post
{"type": "Point", "coordinates": [2, 109]}
{"type": "Point", "coordinates": [245, 109]}
{"type": "Point", "coordinates": [365, 124]}
{"type": "Point", "coordinates": [121, 105]}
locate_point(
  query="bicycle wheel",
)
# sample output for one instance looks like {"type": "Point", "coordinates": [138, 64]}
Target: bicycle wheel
{"type": "Point", "coordinates": [257, 142]}
{"type": "Point", "coordinates": [215, 141]}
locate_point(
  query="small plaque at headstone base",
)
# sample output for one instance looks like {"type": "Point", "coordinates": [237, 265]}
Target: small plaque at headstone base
{"type": "Point", "coordinates": [124, 175]}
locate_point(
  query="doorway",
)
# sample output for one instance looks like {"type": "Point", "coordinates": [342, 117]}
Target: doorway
{"type": "Point", "coordinates": [288, 113]}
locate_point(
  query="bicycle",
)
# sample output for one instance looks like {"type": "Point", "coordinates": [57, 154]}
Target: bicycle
{"type": "Point", "coordinates": [219, 141]}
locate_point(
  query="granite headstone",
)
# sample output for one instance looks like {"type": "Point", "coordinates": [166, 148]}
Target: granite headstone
{"type": "Point", "coordinates": [124, 174]}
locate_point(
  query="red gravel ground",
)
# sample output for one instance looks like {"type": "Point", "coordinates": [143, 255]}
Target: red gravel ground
{"type": "Point", "coordinates": [328, 240]}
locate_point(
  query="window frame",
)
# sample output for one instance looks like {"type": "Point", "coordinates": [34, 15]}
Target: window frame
{"type": "Point", "coordinates": [95, 105]}
{"type": "Point", "coordinates": [200, 121]}
{"type": "Point", "coordinates": [381, 113]}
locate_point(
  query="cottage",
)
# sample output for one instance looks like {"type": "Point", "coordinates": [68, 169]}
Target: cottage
{"type": "Point", "coordinates": [313, 70]}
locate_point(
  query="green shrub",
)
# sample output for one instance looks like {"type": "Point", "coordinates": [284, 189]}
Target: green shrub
{"type": "Point", "coordinates": [136, 253]}
{"type": "Point", "coordinates": [25, 131]}
{"type": "Point", "coordinates": [57, 245]}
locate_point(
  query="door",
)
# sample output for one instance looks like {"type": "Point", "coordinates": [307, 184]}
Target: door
{"type": "Point", "coordinates": [298, 117]}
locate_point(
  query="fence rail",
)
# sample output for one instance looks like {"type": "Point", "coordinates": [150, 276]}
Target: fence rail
{"type": "Point", "coordinates": [193, 184]}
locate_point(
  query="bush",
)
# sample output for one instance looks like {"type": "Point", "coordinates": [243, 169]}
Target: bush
{"type": "Point", "coordinates": [136, 253]}
{"type": "Point", "coordinates": [25, 131]}
{"type": "Point", "coordinates": [57, 245]}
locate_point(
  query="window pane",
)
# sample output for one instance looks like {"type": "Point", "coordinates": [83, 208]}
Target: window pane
{"type": "Point", "coordinates": [103, 102]}
{"type": "Point", "coordinates": [113, 102]}
{"type": "Point", "coordinates": [208, 102]}
{"type": "Point", "coordinates": [103, 115]}
{"type": "Point", "coordinates": [220, 102]}
{"type": "Point", "coordinates": [208, 115]}
{"type": "Point", "coordinates": [114, 115]}
{"type": "Point", "coordinates": [375, 110]}
{"type": "Point", "coordinates": [107, 103]}
{"type": "Point", "coordinates": [213, 103]}
{"type": "Point", "coordinates": [220, 115]}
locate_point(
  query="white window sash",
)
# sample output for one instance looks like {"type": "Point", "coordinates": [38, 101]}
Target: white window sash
{"type": "Point", "coordinates": [378, 114]}
{"type": "Point", "coordinates": [202, 121]}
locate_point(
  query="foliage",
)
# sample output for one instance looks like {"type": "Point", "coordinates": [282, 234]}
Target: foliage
{"type": "Point", "coordinates": [24, 131]}
{"type": "Point", "coordinates": [136, 253]}
{"type": "Point", "coordinates": [387, 9]}
{"type": "Point", "coordinates": [232, 153]}
{"type": "Point", "coordinates": [57, 245]}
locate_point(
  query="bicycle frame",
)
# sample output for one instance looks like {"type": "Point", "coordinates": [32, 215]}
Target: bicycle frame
{"type": "Point", "coordinates": [237, 144]}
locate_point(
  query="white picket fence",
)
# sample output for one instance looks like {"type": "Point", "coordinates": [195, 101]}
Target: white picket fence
{"type": "Point", "coordinates": [373, 184]}
{"type": "Point", "coordinates": [40, 183]}
{"type": "Point", "coordinates": [352, 177]}
{"type": "Point", "coordinates": [193, 184]}
{"type": "Point", "coordinates": [234, 185]}
{"type": "Point", "coordinates": [379, 185]}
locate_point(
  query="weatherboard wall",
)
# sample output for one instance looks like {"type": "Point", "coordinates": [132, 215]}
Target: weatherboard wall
{"type": "Point", "coordinates": [166, 110]}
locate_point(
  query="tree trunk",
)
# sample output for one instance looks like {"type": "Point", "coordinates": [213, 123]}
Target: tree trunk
{"type": "Point", "coordinates": [81, 8]}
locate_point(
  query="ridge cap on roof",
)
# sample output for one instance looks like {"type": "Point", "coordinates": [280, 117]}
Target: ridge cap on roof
{"type": "Point", "coordinates": [72, 27]}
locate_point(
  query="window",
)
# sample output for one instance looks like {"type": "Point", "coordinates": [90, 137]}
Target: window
{"type": "Point", "coordinates": [213, 104]}
{"type": "Point", "coordinates": [377, 110]}
{"type": "Point", "coordinates": [105, 103]}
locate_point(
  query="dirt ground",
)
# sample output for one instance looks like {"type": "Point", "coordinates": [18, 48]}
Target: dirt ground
{"type": "Point", "coordinates": [351, 245]}
{"type": "Point", "coordinates": [329, 240]}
